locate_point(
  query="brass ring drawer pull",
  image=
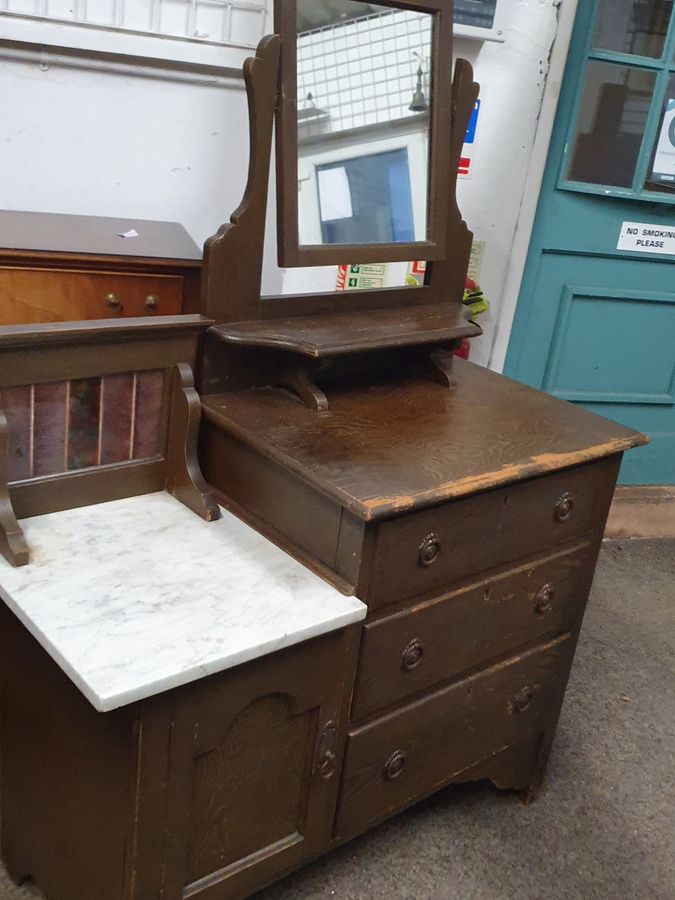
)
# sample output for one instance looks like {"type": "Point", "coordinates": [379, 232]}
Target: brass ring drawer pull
{"type": "Point", "coordinates": [523, 699]}
{"type": "Point", "coordinates": [564, 507]}
{"type": "Point", "coordinates": [112, 301]}
{"type": "Point", "coordinates": [394, 765]}
{"type": "Point", "coordinates": [151, 301]}
{"type": "Point", "coordinates": [543, 598]}
{"type": "Point", "coordinates": [412, 655]}
{"type": "Point", "coordinates": [327, 765]}
{"type": "Point", "coordinates": [430, 550]}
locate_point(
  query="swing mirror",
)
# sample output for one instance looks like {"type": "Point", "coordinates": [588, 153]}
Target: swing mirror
{"type": "Point", "coordinates": [363, 131]}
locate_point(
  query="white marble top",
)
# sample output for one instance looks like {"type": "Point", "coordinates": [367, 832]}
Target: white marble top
{"type": "Point", "coordinates": [137, 596]}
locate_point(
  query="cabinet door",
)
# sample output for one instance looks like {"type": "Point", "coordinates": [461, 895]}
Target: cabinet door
{"type": "Point", "coordinates": [249, 788]}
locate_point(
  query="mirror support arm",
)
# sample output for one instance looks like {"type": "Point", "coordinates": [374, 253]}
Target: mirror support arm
{"type": "Point", "coordinates": [233, 258]}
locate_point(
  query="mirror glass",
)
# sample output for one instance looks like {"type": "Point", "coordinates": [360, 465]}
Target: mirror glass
{"type": "Point", "coordinates": [363, 116]}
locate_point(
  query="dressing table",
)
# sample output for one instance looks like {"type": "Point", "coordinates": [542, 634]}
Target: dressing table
{"type": "Point", "coordinates": [376, 586]}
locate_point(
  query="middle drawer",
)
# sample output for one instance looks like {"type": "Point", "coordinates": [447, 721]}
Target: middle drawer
{"type": "Point", "coordinates": [432, 641]}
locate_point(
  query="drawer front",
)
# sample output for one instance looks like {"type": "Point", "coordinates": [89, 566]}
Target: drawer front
{"type": "Point", "coordinates": [422, 551]}
{"type": "Point", "coordinates": [420, 647]}
{"type": "Point", "coordinates": [49, 295]}
{"type": "Point", "coordinates": [400, 758]}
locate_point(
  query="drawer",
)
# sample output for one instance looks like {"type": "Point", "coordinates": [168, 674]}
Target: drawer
{"type": "Point", "coordinates": [415, 649]}
{"type": "Point", "coordinates": [54, 295]}
{"type": "Point", "coordinates": [402, 757]}
{"type": "Point", "coordinates": [419, 552]}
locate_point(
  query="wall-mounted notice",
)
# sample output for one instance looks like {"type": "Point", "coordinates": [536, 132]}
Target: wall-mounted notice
{"type": "Point", "coordinates": [466, 160]}
{"type": "Point", "coordinates": [640, 237]}
{"type": "Point", "coordinates": [476, 260]}
{"type": "Point", "coordinates": [354, 278]}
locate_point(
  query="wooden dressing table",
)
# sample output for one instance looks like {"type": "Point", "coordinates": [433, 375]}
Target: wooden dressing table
{"type": "Point", "coordinates": [188, 711]}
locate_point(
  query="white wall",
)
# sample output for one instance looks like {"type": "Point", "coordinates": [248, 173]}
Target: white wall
{"type": "Point", "coordinates": [125, 143]}
{"type": "Point", "coordinates": [512, 76]}
{"type": "Point", "coordinates": [137, 141]}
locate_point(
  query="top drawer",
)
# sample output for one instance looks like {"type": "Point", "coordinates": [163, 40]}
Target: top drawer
{"type": "Point", "coordinates": [29, 296]}
{"type": "Point", "coordinates": [421, 552]}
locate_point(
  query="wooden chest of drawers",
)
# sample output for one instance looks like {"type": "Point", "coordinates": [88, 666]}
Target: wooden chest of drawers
{"type": "Point", "coordinates": [56, 268]}
{"type": "Point", "coordinates": [472, 536]}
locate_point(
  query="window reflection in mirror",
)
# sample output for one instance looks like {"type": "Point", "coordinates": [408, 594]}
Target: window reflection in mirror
{"type": "Point", "coordinates": [364, 97]}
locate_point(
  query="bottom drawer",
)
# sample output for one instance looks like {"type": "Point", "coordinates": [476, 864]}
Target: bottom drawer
{"type": "Point", "coordinates": [406, 755]}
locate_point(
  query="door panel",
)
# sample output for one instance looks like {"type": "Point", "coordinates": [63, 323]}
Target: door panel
{"type": "Point", "coordinates": [611, 348]}
{"type": "Point", "coordinates": [596, 325]}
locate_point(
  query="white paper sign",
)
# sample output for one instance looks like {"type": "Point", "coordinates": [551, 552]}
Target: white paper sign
{"type": "Point", "coordinates": [335, 196]}
{"type": "Point", "coordinates": [642, 238]}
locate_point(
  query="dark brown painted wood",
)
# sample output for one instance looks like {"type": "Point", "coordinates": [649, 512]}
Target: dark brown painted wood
{"type": "Point", "coordinates": [263, 745]}
{"type": "Point", "coordinates": [67, 786]}
{"type": "Point", "coordinates": [12, 541]}
{"type": "Point", "coordinates": [437, 639]}
{"type": "Point", "coordinates": [393, 760]}
{"type": "Point", "coordinates": [336, 333]}
{"type": "Point", "coordinates": [233, 256]}
{"type": "Point", "coordinates": [421, 552]}
{"type": "Point", "coordinates": [449, 273]}
{"type": "Point", "coordinates": [398, 445]}
{"type": "Point", "coordinates": [161, 423]}
{"type": "Point", "coordinates": [184, 478]}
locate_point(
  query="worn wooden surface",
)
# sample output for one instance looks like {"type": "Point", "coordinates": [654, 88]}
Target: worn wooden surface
{"type": "Point", "coordinates": [435, 639]}
{"type": "Point", "coordinates": [336, 333]}
{"type": "Point", "coordinates": [392, 761]}
{"type": "Point", "coordinates": [490, 528]}
{"type": "Point", "coordinates": [397, 446]}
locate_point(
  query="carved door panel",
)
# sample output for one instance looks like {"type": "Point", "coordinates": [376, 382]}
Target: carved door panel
{"type": "Point", "coordinates": [253, 771]}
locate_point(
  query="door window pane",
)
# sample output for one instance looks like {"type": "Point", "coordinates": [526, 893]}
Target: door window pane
{"type": "Point", "coordinates": [633, 26]}
{"type": "Point", "coordinates": [662, 171]}
{"type": "Point", "coordinates": [611, 124]}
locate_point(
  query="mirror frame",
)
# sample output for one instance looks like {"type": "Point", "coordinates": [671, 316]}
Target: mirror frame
{"type": "Point", "coordinates": [292, 254]}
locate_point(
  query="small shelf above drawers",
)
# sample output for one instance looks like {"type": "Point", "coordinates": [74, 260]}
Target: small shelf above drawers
{"type": "Point", "coordinates": [337, 333]}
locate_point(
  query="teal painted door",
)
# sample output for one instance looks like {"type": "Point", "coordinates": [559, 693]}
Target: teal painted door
{"type": "Point", "coordinates": [595, 324]}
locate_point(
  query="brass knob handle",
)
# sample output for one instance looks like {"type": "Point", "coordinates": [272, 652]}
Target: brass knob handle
{"type": "Point", "coordinates": [151, 301]}
{"type": "Point", "coordinates": [430, 550]}
{"type": "Point", "coordinates": [112, 301]}
{"type": "Point", "coordinates": [412, 655]}
{"type": "Point", "coordinates": [543, 598]}
{"type": "Point", "coordinates": [564, 507]}
{"type": "Point", "coordinates": [394, 765]}
{"type": "Point", "coordinates": [523, 699]}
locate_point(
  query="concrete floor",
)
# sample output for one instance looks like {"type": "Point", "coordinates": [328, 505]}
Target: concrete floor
{"type": "Point", "coordinates": [604, 827]}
